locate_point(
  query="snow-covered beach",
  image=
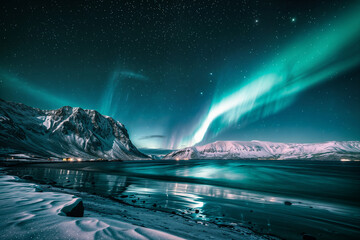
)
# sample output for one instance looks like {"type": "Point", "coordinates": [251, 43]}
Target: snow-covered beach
{"type": "Point", "coordinates": [31, 211]}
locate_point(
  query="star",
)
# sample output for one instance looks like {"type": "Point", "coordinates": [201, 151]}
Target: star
{"type": "Point", "coordinates": [293, 19]}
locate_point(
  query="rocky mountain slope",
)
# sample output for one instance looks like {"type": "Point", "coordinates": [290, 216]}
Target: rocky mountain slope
{"type": "Point", "coordinates": [270, 150]}
{"type": "Point", "coordinates": [64, 132]}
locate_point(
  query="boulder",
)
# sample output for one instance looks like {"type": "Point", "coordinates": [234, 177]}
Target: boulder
{"type": "Point", "coordinates": [75, 208]}
{"type": "Point", "coordinates": [38, 188]}
{"type": "Point", "coordinates": [27, 177]}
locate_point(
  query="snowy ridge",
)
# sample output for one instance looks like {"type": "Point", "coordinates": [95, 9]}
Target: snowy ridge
{"type": "Point", "coordinates": [64, 132]}
{"type": "Point", "coordinates": [269, 150]}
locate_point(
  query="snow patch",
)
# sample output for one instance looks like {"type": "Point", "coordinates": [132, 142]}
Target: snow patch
{"type": "Point", "coordinates": [269, 150]}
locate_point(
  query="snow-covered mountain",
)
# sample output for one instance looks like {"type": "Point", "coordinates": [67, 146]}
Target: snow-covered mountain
{"type": "Point", "coordinates": [270, 150]}
{"type": "Point", "coordinates": [64, 132]}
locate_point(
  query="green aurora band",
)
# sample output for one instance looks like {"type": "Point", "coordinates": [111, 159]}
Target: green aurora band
{"type": "Point", "coordinates": [310, 60]}
{"type": "Point", "coordinates": [111, 94]}
{"type": "Point", "coordinates": [18, 86]}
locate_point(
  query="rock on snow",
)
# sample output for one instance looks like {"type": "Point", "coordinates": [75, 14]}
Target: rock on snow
{"type": "Point", "coordinates": [75, 208]}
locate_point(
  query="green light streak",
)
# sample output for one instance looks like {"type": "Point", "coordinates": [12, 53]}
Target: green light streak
{"type": "Point", "coordinates": [19, 86]}
{"type": "Point", "coordinates": [110, 97]}
{"type": "Point", "coordinates": [310, 60]}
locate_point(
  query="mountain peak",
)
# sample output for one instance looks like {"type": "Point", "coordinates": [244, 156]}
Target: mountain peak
{"type": "Point", "coordinates": [64, 132]}
{"type": "Point", "coordinates": [331, 150]}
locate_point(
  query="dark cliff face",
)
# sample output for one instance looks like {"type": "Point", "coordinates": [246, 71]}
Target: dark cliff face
{"type": "Point", "coordinates": [64, 132]}
{"type": "Point", "coordinates": [8, 128]}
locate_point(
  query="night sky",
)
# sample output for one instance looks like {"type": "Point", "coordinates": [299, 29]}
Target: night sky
{"type": "Point", "coordinates": [179, 73]}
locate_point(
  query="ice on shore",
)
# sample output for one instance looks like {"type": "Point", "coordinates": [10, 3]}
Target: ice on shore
{"type": "Point", "coordinates": [28, 214]}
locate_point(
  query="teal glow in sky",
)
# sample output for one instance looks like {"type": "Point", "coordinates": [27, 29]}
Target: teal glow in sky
{"type": "Point", "coordinates": [110, 101]}
{"type": "Point", "coordinates": [310, 60]}
{"type": "Point", "coordinates": [19, 87]}
{"type": "Point", "coordinates": [178, 73]}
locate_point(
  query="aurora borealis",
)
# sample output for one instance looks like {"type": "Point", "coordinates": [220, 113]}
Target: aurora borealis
{"type": "Point", "coordinates": [303, 64]}
{"type": "Point", "coordinates": [188, 72]}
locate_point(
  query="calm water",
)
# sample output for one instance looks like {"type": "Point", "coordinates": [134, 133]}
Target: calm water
{"type": "Point", "coordinates": [324, 196]}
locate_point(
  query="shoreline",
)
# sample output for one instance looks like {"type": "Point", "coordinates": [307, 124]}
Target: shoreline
{"type": "Point", "coordinates": [98, 208]}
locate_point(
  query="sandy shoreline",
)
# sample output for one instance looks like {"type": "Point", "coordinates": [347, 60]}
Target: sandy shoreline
{"type": "Point", "coordinates": [26, 214]}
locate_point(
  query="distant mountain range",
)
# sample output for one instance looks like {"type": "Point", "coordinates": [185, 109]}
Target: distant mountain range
{"type": "Point", "coordinates": [68, 132]}
{"type": "Point", "coordinates": [64, 132]}
{"type": "Point", "coordinates": [270, 150]}
{"type": "Point", "coordinates": [155, 154]}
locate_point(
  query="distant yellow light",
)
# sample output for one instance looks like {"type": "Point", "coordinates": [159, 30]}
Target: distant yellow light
{"type": "Point", "coordinates": [79, 159]}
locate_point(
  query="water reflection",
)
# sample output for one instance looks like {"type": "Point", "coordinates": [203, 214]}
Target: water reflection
{"type": "Point", "coordinates": [322, 197]}
{"type": "Point", "coordinates": [102, 184]}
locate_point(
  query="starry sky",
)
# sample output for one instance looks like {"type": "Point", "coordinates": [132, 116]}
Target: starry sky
{"type": "Point", "coordinates": [179, 73]}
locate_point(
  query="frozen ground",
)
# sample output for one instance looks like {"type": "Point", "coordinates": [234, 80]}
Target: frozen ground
{"type": "Point", "coordinates": [26, 213]}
